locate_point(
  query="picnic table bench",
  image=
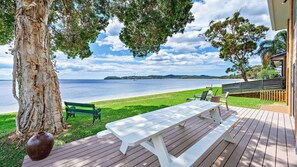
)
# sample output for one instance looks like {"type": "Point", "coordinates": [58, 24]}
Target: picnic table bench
{"type": "Point", "coordinates": [82, 108]}
{"type": "Point", "coordinates": [147, 130]}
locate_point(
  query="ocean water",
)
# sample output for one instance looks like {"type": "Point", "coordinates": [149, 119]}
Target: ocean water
{"type": "Point", "coordinates": [95, 90]}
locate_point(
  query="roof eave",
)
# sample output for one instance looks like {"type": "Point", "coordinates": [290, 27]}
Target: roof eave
{"type": "Point", "coordinates": [271, 14]}
{"type": "Point", "coordinates": [279, 14]}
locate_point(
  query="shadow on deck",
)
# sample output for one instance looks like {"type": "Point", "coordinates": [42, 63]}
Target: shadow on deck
{"type": "Point", "coordinates": [262, 139]}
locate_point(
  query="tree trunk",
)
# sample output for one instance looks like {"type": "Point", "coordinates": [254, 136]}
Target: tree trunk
{"type": "Point", "coordinates": [34, 76]}
{"type": "Point", "coordinates": [243, 74]}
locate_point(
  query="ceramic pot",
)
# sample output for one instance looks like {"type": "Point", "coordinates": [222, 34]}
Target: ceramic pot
{"type": "Point", "coordinates": [40, 145]}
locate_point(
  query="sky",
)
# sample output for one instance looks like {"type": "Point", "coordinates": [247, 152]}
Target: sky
{"type": "Point", "coordinates": [182, 54]}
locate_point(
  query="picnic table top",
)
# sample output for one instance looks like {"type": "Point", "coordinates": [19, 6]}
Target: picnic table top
{"type": "Point", "coordinates": [136, 129]}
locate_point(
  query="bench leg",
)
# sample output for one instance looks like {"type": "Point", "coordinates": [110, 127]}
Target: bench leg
{"type": "Point", "coordinates": [96, 117]}
{"type": "Point", "coordinates": [215, 115]}
{"type": "Point", "coordinates": [124, 148]}
{"type": "Point", "coordinates": [220, 111]}
{"type": "Point", "coordinates": [229, 138]}
{"type": "Point", "coordinates": [161, 150]}
{"type": "Point", "coordinates": [182, 125]}
{"type": "Point", "coordinates": [68, 115]}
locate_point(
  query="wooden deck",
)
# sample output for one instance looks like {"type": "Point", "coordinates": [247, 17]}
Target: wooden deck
{"type": "Point", "coordinates": [262, 138]}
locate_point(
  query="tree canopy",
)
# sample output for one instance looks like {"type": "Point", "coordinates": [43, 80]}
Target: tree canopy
{"type": "Point", "coordinates": [7, 15]}
{"type": "Point", "coordinates": [74, 24]}
{"type": "Point", "coordinates": [147, 24]}
{"type": "Point", "coordinates": [236, 39]}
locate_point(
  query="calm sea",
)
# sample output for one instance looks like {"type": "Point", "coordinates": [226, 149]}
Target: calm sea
{"type": "Point", "coordinates": [95, 90]}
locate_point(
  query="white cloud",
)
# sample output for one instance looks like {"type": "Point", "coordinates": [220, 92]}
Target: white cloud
{"type": "Point", "coordinates": [256, 11]}
{"type": "Point", "coordinates": [114, 41]}
{"type": "Point", "coordinates": [112, 31]}
{"type": "Point", "coordinates": [158, 64]}
{"type": "Point", "coordinates": [114, 58]}
{"type": "Point", "coordinates": [186, 42]}
{"type": "Point", "coordinates": [164, 58]}
{"type": "Point", "coordinates": [114, 27]}
{"type": "Point", "coordinates": [255, 60]}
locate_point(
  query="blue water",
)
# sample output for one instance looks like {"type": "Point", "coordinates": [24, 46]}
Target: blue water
{"type": "Point", "coordinates": [94, 90]}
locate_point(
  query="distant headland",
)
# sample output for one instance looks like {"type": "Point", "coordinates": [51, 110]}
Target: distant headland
{"type": "Point", "coordinates": [171, 76]}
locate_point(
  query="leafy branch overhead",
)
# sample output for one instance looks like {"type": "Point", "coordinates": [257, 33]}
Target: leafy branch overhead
{"type": "Point", "coordinates": [147, 24]}
{"type": "Point", "coordinates": [236, 39]}
{"type": "Point", "coordinates": [7, 21]}
{"type": "Point", "coordinates": [75, 24]}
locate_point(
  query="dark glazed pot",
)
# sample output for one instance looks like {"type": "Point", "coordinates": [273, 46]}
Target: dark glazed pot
{"type": "Point", "coordinates": [40, 145]}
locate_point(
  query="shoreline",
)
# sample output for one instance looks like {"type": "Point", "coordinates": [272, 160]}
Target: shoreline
{"type": "Point", "coordinates": [97, 99]}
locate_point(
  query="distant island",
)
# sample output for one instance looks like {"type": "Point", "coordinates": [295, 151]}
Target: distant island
{"type": "Point", "coordinates": [171, 76]}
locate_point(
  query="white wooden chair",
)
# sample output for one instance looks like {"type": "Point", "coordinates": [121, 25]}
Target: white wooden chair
{"type": "Point", "coordinates": [225, 100]}
{"type": "Point", "coordinates": [216, 99]}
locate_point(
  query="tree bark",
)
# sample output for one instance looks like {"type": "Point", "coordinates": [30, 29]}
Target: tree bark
{"type": "Point", "coordinates": [243, 74]}
{"type": "Point", "coordinates": [35, 82]}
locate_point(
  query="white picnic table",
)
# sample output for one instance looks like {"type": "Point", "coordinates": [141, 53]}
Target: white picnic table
{"type": "Point", "coordinates": [148, 129]}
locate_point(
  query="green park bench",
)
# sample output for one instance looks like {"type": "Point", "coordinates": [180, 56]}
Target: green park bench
{"type": "Point", "coordinates": [82, 108]}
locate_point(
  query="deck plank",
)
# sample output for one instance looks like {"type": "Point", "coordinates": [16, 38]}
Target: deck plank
{"type": "Point", "coordinates": [290, 142]}
{"type": "Point", "coordinates": [246, 156]}
{"type": "Point", "coordinates": [214, 152]}
{"type": "Point", "coordinates": [72, 150]}
{"type": "Point", "coordinates": [118, 157]}
{"type": "Point", "coordinates": [251, 147]}
{"type": "Point", "coordinates": [171, 141]}
{"type": "Point", "coordinates": [281, 148]}
{"type": "Point", "coordinates": [144, 153]}
{"type": "Point", "coordinates": [259, 152]}
{"type": "Point", "coordinates": [170, 138]}
{"type": "Point", "coordinates": [240, 147]}
{"type": "Point", "coordinates": [186, 142]}
{"type": "Point", "coordinates": [257, 133]}
{"type": "Point", "coordinates": [222, 159]}
{"type": "Point", "coordinates": [269, 159]}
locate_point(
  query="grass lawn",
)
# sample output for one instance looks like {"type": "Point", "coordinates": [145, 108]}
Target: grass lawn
{"type": "Point", "coordinates": [112, 110]}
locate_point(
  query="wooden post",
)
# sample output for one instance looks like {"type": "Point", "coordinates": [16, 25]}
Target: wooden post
{"type": "Point", "coordinates": [274, 95]}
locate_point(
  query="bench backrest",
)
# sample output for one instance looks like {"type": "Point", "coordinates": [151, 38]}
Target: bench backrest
{"type": "Point", "coordinates": [80, 107]}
